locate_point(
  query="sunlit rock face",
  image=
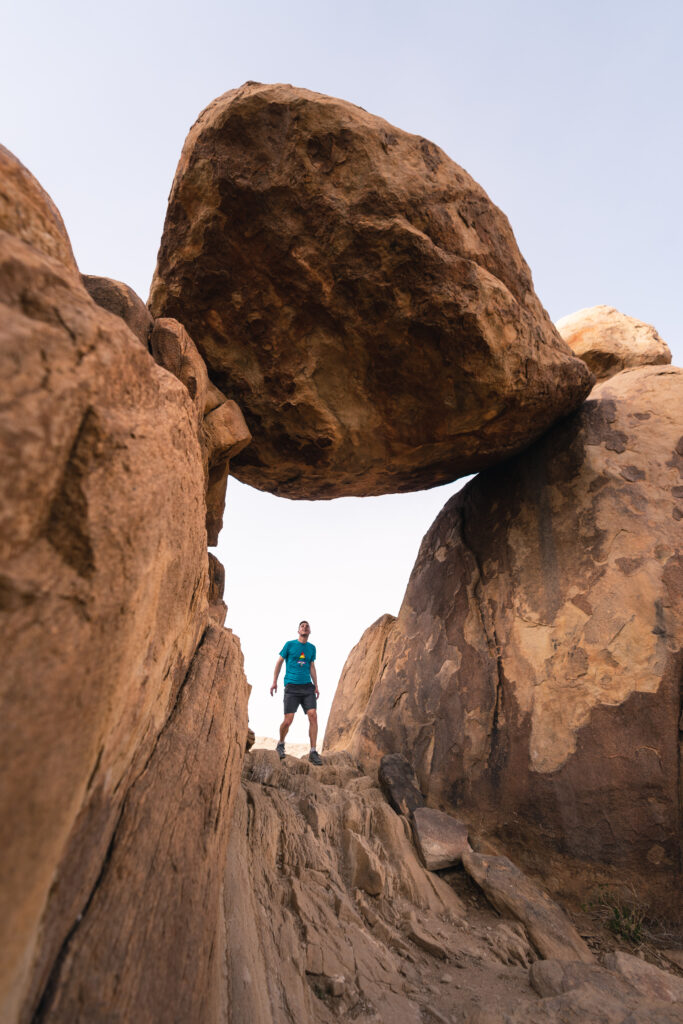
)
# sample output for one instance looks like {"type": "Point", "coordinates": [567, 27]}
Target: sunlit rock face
{"type": "Point", "coordinates": [534, 668]}
{"type": "Point", "coordinates": [359, 296]}
{"type": "Point", "coordinates": [123, 715]}
{"type": "Point", "coordinates": [609, 341]}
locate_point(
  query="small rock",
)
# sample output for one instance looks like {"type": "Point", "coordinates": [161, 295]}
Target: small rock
{"type": "Point", "coordinates": [441, 840]}
{"type": "Point", "coordinates": [647, 979]}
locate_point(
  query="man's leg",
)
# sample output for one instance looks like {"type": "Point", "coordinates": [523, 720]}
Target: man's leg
{"type": "Point", "coordinates": [313, 726]}
{"type": "Point", "coordinates": [284, 728]}
{"type": "Point", "coordinates": [314, 756]}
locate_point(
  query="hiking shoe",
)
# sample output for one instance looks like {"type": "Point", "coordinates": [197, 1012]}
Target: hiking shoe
{"type": "Point", "coordinates": [281, 749]}
{"type": "Point", "coordinates": [315, 758]}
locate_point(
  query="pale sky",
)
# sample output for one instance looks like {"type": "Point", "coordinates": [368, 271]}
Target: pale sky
{"type": "Point", "coordinates": [568, 114]}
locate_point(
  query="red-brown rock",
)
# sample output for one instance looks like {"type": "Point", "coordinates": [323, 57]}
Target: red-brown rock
{"type": "Point", "coordinates": [28, 213]}
{"type": "Point", "coordinates": [609, 341]}
{"type": "Point", "coordinates": [123, 709]}
{"type": "Point", "coordinates": [120, 299]}
{"type": "Point", "coordinates": [533, 673]}
{"type": "Point", "coordinates": [358, 295]}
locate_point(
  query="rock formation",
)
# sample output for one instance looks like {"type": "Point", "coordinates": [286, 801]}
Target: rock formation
{"type": "Point", "coordinates": [121, 300]}
{"type": "Point", "coordinates": [533, 673]}
{"type": "Point", "coordinates": [328, 915]}
{"type": "Point", "coordinates": [360, 297]}
{"type": "Point", "coordinates": [609, 341]}
{"type": "Point", "coordinates": [123, 707]}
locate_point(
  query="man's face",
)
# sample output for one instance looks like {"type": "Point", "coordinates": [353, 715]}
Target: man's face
{"type": "Point", "coordinates": [304, 631]}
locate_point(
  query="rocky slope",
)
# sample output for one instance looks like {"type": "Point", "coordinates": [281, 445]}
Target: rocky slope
{"type": "Point", "coordinates": [329, 915]}
{"type": "Point", "coordinates": [358, 294]}
{"type": "Point", "coordinates": [533, 673]}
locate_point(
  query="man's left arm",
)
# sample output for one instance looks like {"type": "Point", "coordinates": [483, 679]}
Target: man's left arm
{"type": "Point", "coordinates": [314, 677]}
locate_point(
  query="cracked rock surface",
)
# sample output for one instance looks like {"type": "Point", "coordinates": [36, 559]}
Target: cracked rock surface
{"type": "Point", "coordinates": [533, 672]}
{"type": "Point", "coordinates": [312, 935]}
{"type": "Point", "coordinates": [359, 296]}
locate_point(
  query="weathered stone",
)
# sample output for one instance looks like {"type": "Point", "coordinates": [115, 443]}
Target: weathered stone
{"type": "Point", "coordinates": [169, 877]}
{"type": "Point", "coordinates": [28, 213]}
{"type": "Point", "coordinates": [121, 300]}
{"type": "Point", "coordinates": [399, 784]}
{"type": "Point", "coordinates": [360, 297]}
{"type": "Point", "coordinates": [533, 671]}
{"type": "Point", "coordinates": [554, 977]}
{"type": "Point", "coordinates": [365, 870]}
{"type": "Point", "coordinates": [123, 711]}
{"type": "Point", "coordinates": [174, 349]}
{"type": "Point", "coordinates": [217, 606]}
{"type": "Point", "coordinates": [511, 892]}
{"type": "Point", "coordinates": [609, 341]}
{"type": "Point", "coordinates": [647, 979]}
{"type": "Point", "coordinates": [223, 431]}
{"type": "Point", "coordinates": [440, 839]}
{"type": "Point", "coordinates": [355, 685]}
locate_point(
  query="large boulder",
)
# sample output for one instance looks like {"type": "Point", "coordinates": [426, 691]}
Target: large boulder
{"type": "Point", "coordinates": [358, 294]}
{"type": "Point", "coordinates": [533, 673]}
{"type": "Point", "coordinates": [609, 341]}
{"type": "Point", "coordinates": [123, 707]}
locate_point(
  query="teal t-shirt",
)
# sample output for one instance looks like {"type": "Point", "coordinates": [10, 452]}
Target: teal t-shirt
{"type": "Point", "coordinates": [298, 658]}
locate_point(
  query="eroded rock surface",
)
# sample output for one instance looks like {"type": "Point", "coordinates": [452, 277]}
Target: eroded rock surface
{"type": "Point", "coordinates": [533, 673]}
{"type": "Point", "coordinates": [28, 213]}
{"type": "Point", "coordinates": [122, 301]}
{"type": "Point", "coordinates": [312, 934]}
{"type": "Point", "coordinates": [609, 341]}
{"type": "Point", "coordinates": [123, 709]}
{"type": "Point", "coordinates": [358, 295]}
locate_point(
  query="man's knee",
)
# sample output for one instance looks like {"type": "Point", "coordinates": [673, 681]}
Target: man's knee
{"type": "Point", "coordinates": [313, 715]}
{"type": "Point", "coordinates": [289, 718]}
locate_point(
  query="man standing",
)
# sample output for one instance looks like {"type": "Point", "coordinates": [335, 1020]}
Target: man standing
{"type": "Point", "coordinates": [301, 687]}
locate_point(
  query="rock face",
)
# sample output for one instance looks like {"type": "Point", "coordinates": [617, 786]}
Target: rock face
{"type": "Point", "coordinates": [121, 300]}
{"type": "Point", "coordinates": [123, 707]}
{"type": "Point", "coordinates": [533, 672]}
{"type": "Point", "coordinates": [360, 297]}
{"type": "Point", "coordinates": [609, 341]}
{"type": "Point", "coordinates": [222, 430]}
{"type": "Point", "coordinates": [28, 213]}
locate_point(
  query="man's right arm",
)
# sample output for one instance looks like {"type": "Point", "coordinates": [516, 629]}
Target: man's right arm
{"type": "Point", "coordinates": [278, 666]}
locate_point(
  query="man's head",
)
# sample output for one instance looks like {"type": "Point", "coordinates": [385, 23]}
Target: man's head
{"type": "Point", "coordinates": [304, 630]}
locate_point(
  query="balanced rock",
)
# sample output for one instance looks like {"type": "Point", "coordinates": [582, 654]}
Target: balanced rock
{"type": "Point", "coordinates": [358, 295]}
{"type": "Point", "coordinates": [609, 341]}
{"type": "Point", "coordinates": [533, 672]}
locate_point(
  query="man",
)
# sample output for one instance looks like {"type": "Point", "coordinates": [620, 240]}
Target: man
{"type": "Point", "coordinates": [301, 687]}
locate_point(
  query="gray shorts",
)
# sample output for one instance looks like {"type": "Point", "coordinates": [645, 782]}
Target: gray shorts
{"type": "Point", "coordinates": [296, 695]}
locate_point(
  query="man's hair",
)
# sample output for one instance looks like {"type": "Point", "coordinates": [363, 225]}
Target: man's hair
{"type": "Point", "coordinates": [302, 622]}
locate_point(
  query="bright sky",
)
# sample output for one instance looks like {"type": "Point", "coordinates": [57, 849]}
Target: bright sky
{"type": "Point", "coordinates": [567, 113]}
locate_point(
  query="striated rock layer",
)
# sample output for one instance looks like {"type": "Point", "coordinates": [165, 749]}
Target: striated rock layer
{"type": "Point", "coordinates": [358, 294]}
{"type": "Point", "coordinates": [609, 341]}
{"type": "Point", "coordinates": [534, 671]}
{"type": "Point", "coordinates": [123, 716]}
{"type": "Point", "coordinates": [328, 915]}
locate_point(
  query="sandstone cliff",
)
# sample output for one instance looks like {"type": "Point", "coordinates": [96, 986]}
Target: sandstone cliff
{"type": "Point", "coordinates": [533, 673]}
{"type": "Point", "coordinates": [123, 708]}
